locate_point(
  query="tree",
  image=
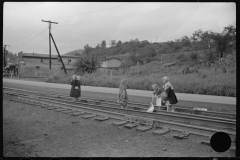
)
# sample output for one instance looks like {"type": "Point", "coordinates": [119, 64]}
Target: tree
{"type": "Point", "coordinates": [87, 63]}
{"type": "Point", "coordinates": [98, 46]}
{"type": "Point", "coordinates": [230, 33]}
{"type": "Point", "coordinates": [113, 43]}
{"type": "Point", "coordinates": [221, 42]}
{"type": "Point", "coordinates": [119, 43]}
{"type": "Point", "coordinates": [196, 39]}
{"type": "Point", "coordinates": [87, 49]}
{"type": "Point", "coordinates": [185, 41]}
{"type": "Point", "coordinates": [103, 44]}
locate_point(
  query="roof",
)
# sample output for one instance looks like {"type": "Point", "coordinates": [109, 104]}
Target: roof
{"type": "Point", "coordinates": [69, 56]}
{"type": "Point", "coordinates": [36, 55]}
{"type": "Point", "coordinates": [110, 59]}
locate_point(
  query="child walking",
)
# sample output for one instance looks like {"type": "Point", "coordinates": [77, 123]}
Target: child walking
{"type": "Point", "coordinates": [75, 88]}
{"type": "Point", "coordinates": [168, 95]}
{"type": "Point", "coordinates": [123, 96]}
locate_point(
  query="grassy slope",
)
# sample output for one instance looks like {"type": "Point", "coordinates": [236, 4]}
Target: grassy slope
{"type": "Point", "coordinates": [206, 81]}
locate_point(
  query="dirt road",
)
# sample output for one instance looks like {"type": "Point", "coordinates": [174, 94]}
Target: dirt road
{"type": "Point", "coordinates": [32, 131]}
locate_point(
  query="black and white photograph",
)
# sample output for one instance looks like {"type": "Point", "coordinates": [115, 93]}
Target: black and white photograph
{"type": "Point", "coordinates": [119, 79]}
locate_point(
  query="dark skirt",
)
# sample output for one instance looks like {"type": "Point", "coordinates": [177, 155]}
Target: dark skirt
{"type": "Point", "coordinates": [172, 98]}
{"type": "Point", "coordinates": [75, 89]}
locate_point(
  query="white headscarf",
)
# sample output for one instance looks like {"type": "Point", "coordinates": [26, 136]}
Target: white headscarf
{"type": "Point", "coordinates": [78, 78]}
{"type": "Point", "coordinates": [74, 76]}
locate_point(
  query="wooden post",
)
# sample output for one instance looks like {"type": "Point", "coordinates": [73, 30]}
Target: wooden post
{"type": "Point", "coordinates": [50, 42]}
{"type": "Point", "coordinates": [58, 53]}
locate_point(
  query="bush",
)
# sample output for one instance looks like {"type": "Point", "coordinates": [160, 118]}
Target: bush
{"type": "Point", "coordinates": [180, 56]}
{"type": "Point", "coordinates": [185, 70]}
{"type": "Point", "coordinates": [203, 76]}
{"type": "Point", "coordinates": [193, 57]}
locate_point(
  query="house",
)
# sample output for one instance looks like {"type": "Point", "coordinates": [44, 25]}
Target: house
{"type": "Point", "coordinates": [111, 63]}
{"type": "Point", "coordinates": [67, 59]}
{"type": "Point", "coordinates": [44, 58]}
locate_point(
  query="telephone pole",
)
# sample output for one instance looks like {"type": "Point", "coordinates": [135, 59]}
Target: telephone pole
{"type": "Point", "coordinates": [4, 56]}
{"type": "Point", "coordinates": [49, 40]}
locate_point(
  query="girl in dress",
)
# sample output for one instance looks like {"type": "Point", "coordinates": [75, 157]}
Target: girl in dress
{"type": "Point", "coordinates": [123, 96]}
{"type": "Point", "coordinates": [168, 95]}
{"type": "Point", "coordinates": [75, 88]}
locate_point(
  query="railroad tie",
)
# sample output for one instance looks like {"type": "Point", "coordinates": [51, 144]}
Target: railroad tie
{"type": "Point", "coordinates": [101, 118]}
{"type": "Point", "coordinates": [78, 113]}
{"type": "Point", "coordinates": [88, 116]}
{"type": "Point", "coordinates": [180, 136]}
{"type": "Point", "coordinates": [52, 107]}
{"type": "Point", "coordinates": [132, 122]}
{"type": "Point", "coordinates": [98, 103]}
{"type": "Point", "coordinates": [44, 105]}
{"type": "Point", "coordinates": [161, 131]}
{"type": "Point", "coordinates": [119, 123]}
{"type": "Point", "coordinates": [145, 124]}
{"type": "Point", "coordinates": [60, 109]}
{"type": "Point", "coordinates": [68, 111]}
{"type": "Point", "coordinates": [206, 142]}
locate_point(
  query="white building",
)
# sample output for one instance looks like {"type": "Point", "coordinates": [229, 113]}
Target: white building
{"type": "Point", "coordinates": [111, 63]}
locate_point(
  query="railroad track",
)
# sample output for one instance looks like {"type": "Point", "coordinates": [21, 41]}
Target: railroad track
{"type": "Point", "coordinates": [136, 106]}
{"type": "Point", "coordinates": [197, 124]}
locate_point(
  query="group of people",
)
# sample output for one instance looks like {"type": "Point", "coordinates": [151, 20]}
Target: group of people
{"type": "Point", "coordinates": [12, 70]}
{"type": "Point", "coordinates": [164, 96]}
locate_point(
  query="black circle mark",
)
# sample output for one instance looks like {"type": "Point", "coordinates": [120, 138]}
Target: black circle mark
{"type": "Point", "coordinates": [220, 142]}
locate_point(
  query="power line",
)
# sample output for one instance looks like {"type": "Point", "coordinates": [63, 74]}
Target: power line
{"type": "Point", "coordinates": [24, 36]}
{"type": "Point", "coordinates": [126, 14]}
{"type": "Point", "coordinates": [102, 18]}
{"type": "Point", "coordinates": [94, 11]}
{"type": "Point", "coordinates": [119, 18]}
{"type": "Point", "coordinates": [35, 36]}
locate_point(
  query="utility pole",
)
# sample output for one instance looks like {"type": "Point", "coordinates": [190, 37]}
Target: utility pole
{"type": "Point", "coordinates": [58, 54]}
{"type": "Point", "coordinates": [49, 41]}
{"type": "Point", "coordinates": [4, 56]}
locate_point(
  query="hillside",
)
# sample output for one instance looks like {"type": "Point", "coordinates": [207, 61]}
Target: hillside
{"type": "Point", "coordinates": [75, 52]}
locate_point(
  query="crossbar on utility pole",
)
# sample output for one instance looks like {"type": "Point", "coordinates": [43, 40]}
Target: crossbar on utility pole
{"type": "Point", "coordinates": [4, 56]}
{"type": "Point", "coordinates": [49, 40]}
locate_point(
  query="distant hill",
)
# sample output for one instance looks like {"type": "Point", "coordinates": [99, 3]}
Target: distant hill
{"type": "Point", "coordinates": [78, 52]}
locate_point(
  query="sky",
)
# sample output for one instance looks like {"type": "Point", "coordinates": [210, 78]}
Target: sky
{"type": "Point", "coordinates": [81, 23]}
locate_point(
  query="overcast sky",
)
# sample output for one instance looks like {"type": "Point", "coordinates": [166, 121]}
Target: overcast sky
{"type": "Point", "coordinates": [81, 23]}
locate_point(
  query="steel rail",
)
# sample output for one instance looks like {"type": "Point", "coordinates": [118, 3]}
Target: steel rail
{"type": "Point", "coordinates": [164, 112]}
{"type": "Point", "coordinates": [137, 105]}
{"type": "Point", "coordinates": [208, 121]}
{"type": "Point", "coordinates": [174, 113]}
{"type": "Point", "coordinates": [203, 131]}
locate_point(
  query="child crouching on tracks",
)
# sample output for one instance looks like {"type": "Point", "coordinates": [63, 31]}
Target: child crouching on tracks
{"type": "Point", "coordinates": [123, 96]}
{"type": "Point", "coordinates": [168, 96]}
{"type": "Point", "coordinates": [75, 88]}
{"type": "Point", "coordinates": [157, 94]}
